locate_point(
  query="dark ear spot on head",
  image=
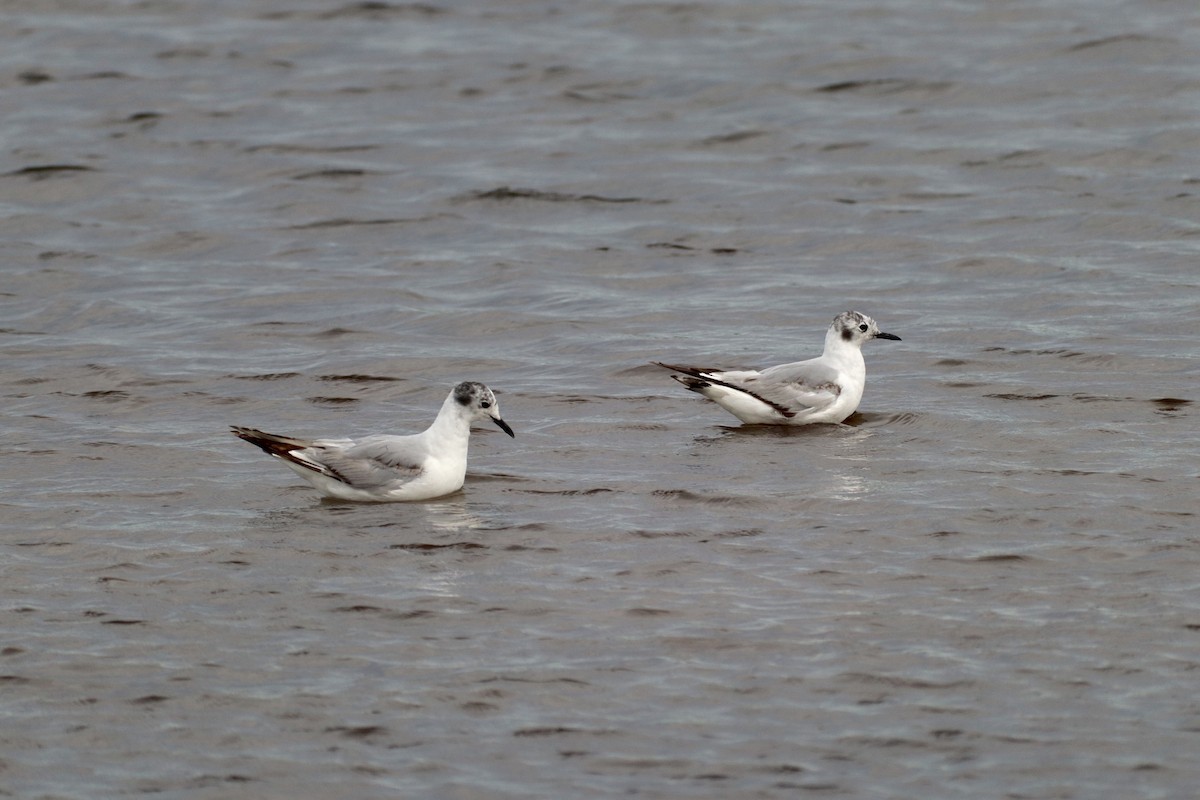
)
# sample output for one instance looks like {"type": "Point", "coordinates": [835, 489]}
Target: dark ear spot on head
{"type": "Point", "coordinates": [846, 334]}
{"type": "Point", "coordinates": [463, 394]}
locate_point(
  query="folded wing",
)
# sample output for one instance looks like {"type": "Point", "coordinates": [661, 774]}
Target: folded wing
{"type": "Point", "coordinates": [374, 461]}
{"type": "Point", "coordinates": [371, 462]}
{"type": "Point", "coordinates": [790, 389]}
{"type": "Point", "coordinates": [800, 386]}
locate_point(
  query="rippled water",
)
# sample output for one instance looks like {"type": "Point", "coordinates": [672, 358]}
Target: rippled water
{"type": "Point", "coordinates": [315, 217]}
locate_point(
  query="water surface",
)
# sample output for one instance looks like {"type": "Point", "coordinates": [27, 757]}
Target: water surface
{"type": "Point", "coordinates": [315, 217]}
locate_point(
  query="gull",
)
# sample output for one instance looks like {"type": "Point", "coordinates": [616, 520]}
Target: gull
{"type": "Point", "coordinates": [385, 468]}
{"type": "Point", "coordinates": [824, 389]}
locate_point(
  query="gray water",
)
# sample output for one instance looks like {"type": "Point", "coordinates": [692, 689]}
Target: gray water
{"type": "Point", "coordinates": [315, 217]}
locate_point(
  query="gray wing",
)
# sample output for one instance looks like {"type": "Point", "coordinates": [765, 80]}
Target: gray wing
{"type": "Point", "coordinates": [797, 386]}
{"type": "Point", "coordinates": [373, 461]}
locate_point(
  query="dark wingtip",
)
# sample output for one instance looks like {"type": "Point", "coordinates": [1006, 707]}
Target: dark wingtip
{"type": "Point", "coordinates": [684, 368]}
{"type": "Point", "coordinates": [692, 383]}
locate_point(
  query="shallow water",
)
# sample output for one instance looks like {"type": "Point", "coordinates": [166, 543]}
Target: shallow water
{"type": "Point", "coordinates": [316, 217]}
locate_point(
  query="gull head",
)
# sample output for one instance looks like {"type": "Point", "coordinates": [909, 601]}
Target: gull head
{"type": "Point", "coordinates": [855, 329]}
{"type": "Point", "coordinates": [479, 402]}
